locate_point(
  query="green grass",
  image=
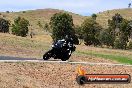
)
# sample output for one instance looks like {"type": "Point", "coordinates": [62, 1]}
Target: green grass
{"type": "Point", "coordinates": [121, 59]}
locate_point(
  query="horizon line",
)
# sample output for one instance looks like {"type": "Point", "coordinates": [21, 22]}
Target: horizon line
{"type": "Point", "coordinates": [82, 14]}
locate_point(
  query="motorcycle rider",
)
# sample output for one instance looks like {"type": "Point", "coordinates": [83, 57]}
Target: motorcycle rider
{"type": "Point", "coordinates": [68, 41]}
{"type": "Point", "coordinates": [61, 49]}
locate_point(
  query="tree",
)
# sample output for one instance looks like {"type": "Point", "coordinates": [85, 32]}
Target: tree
{"type": "Point", "coordinates": [91, 31]}
{"type": "Point", "coordinates": [117, 19]}
{"type": "Point", "coordinates": [121, 42]}
{"type": "Point", "coordinates": [78, 31]}
{"type": "Point", "coordinates": [106, 39]}
{"type": "Point", "coordinates": [20, 27]}
{"type": "Point", "coordinates": [129, 5]}
{"type": "Point", "coordinates": [94, 16]}
{"type": "Point", "coordinates": [120, 29]}
{"type": "Point", "coordinates": [62, 25]}
{"type": "Point", "coordinates": [126, 27]}
{"type": "Point", "coordinates": [125, 31]}
{"type": "Point", "coordinates": [114, 27]}
{"type": "Point", "coordinates": [4, 25]}
{"type": "Point", "coordinates": [7, 11]}
{"type": "Point", "coordinates": [23, 11]}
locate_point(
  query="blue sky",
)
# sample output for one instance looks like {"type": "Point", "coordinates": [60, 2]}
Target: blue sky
{"type": "Point", "coordinates": [83, 7]}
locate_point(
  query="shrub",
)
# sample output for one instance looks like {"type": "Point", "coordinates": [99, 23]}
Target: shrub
{"type": "Point", "coordinates": [121, 42]}
{"type": "Point", "coordinates": [106, 39]}
{"type": "Point", "coordinates": [78, 31]}
{"type": "Point", "coordinates": [7, 11]}
{"type": "Point", "coordinates": [20, 27]}
{"type": "Point", "coordinates": [91, 31]}
{"type": "Point", "coordinates": [117, 44]}
{"type": "Point", "coordinates": [23, 11]}
{"type": "Point", "coordinates": [94, 16]}
{"type": "Point", "coordinates": [4, 25]}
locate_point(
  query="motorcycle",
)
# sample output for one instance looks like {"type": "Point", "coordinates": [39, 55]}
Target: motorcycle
{"type": "Point", "coordinates": [61, 49]}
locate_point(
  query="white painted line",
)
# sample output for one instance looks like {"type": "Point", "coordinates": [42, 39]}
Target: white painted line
{"type": "Point", "coordinates": [67, 62]}
{"type": "Point", "coordinates": [100, 63]}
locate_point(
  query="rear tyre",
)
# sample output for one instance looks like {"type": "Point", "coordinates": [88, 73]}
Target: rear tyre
{"type": "Point", "coordinates": [47, 55]}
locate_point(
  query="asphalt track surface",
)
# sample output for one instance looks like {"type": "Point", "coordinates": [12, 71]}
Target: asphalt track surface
{"type": "Point", "coordinates": [18, 59]}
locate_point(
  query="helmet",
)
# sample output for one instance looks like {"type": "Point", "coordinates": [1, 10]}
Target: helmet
{"type": "Point", "coordinates": [66, 37]}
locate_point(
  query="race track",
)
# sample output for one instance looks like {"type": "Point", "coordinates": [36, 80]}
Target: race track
{"type": "Point", "coordinates": [18, 59]}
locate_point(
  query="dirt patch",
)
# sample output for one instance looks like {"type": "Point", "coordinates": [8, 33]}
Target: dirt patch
{"type": "Point", "coordinates": [19, 52]}
{"type": "Point", "coordinates": [54, 75]}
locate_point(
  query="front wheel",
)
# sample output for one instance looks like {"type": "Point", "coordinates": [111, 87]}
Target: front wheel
{"type": "Point", "coordinates": [47, 55]}
{"type": "Point", "coordinates": [64, 59]}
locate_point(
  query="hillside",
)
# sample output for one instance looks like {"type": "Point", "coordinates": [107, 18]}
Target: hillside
{"type": "Point", "coordinates": [103, 17]}
{"type": "Point", "coordinates": [42, 15]}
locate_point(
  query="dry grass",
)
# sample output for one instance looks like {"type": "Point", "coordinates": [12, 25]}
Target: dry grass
{"type": "Point", "coordinates": [11, 45]}
{"type": "Point", "coordinates": [42, 15]}
{"type": "Point", "coordinates": [24, 46]}
{"type": "Point", "coordinates": [102, 17]}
